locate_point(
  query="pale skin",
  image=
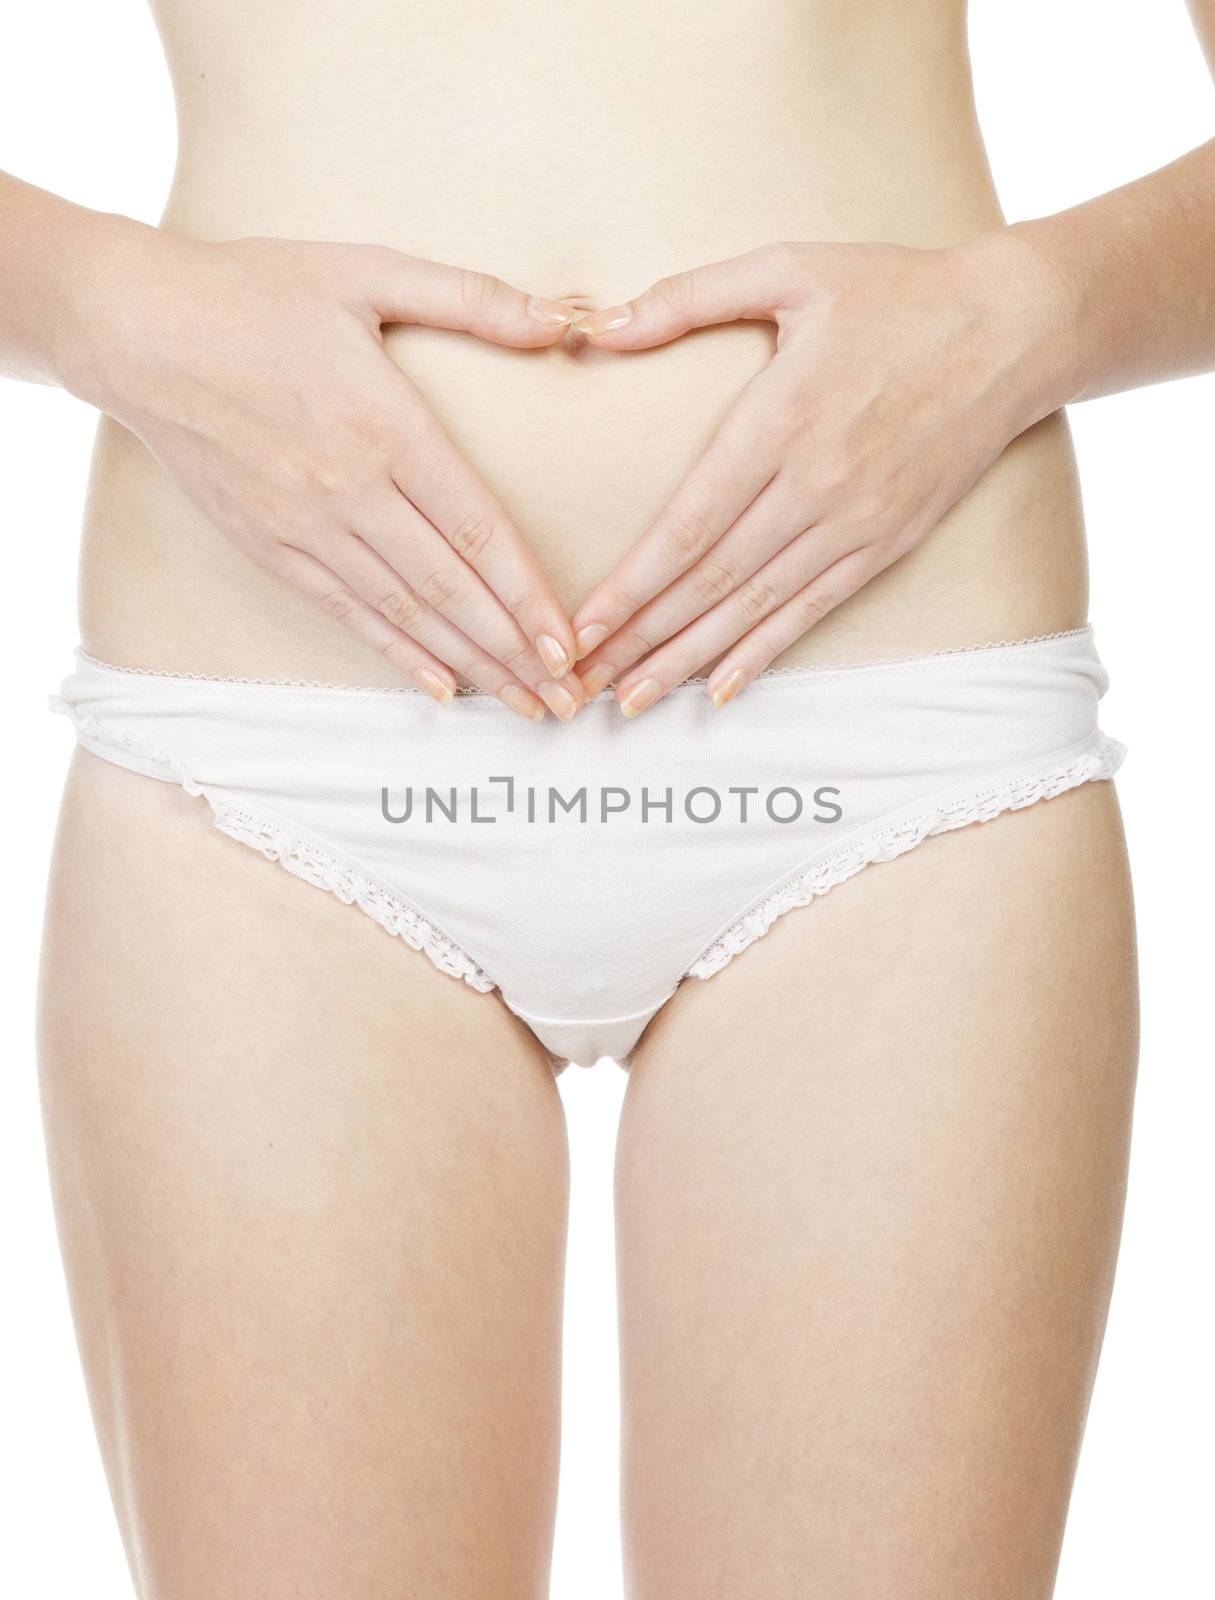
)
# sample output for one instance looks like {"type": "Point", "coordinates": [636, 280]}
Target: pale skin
{"type": "Point", "coordinates": [311, 1192]}
{"type": "Point", "coordinates": [842, 455]}
{"type": "Point", "coordinates": [349, 490]}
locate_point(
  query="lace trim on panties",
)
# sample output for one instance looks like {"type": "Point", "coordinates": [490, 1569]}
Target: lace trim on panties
{"type": "Point", "coordinates": [395, 914]}
{"type": "Point", "coordinates": [304, 859]}
{"type": "Point", "coordinates": [352, 887]}
{"type": "Point", "coordinates": [1102, 761]}
{"type": "Point", "coordinates": [694, 681]}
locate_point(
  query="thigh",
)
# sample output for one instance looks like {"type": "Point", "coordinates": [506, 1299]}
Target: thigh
{"type": "Point", "coordinates": [312, 1197]}
{"type": "Point", "coordinates": [869, 1189]}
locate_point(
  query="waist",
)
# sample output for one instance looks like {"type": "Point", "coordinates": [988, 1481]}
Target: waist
{"type": "Point", "coordinates": [531, 137]}
{"type": "Point", "coordinates": [582, 475]}
{"type": "Point", "coordinates": [582, 455]}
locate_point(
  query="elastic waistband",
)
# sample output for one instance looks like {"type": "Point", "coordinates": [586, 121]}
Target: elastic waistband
{"type": "Point", "coordinates": [1045, 644]}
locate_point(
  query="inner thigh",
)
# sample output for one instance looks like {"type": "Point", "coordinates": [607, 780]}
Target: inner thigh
{"type": "Point", "coordinates": [869, 1189]}
{"type": "Point", "coordinates": [312, 1202]}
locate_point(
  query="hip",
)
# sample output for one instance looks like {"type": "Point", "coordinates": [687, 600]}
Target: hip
{"type": "Point", "coordinates": [582, 467]}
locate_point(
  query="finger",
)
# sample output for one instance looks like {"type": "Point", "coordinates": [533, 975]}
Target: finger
{"type": "Point", "coordinates": [745, 611]}
{"type": "Point", "coordinates": [446, 490]}
{"type": "Point", "coordinates": [412, 289]}
{"type": "Point", "coordinates": [361, 572]}
{"type": "Point", "coordinates": [757, 650]}
{"type": "Point", "coordinates": [408, 543]}
{"type": "Point", "coordinates": [735, 468]}
{"type": "Point", "coordinates": [404, 654]}
{"type": "Point", "coordinates": [758, 284]}
{"type": "Point", "coordinates": [776, 515]}
{"type": "Point", "coordinates": [383, 587]}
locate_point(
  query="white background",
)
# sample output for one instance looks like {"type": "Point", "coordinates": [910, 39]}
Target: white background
{"type": "Point", "coordinates": [1076, 96]}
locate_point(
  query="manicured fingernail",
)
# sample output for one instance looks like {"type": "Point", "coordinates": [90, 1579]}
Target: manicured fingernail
{"type": "Point", "coordinates": [553, 312]}
{"type": "Point", "coordinates": [587, 638]}
{"type": "Point", "coordinates": [727, 688]}
{"type": "Point", "coordinates": [525, 704]}
{"type": "Point", "coordinates": [597, 677]}
{"type": "Point", "coordinates": [640, 696]}
{"type": "Point", "coordinates": [554, 655]}
{"type": "Point", "coordinates": [559, 701]}
{"type": "Point", "coordinates": [433, 685]}
{"type": "Point", "coordinates": [606, 321]}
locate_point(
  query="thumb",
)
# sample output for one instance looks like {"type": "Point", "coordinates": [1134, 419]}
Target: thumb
{"type": "Point", "coordinates": [435, 295]}
{"type": "Point", "coordinates": [755, 285]}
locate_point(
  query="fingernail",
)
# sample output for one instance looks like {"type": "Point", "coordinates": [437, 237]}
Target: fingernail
{"type": "Point", "coordinates": [597, 677]}
{"type": "Point", "coordinates": [587, 638]}
{"type": "Point", "coordinates": [606, 321]}
{"type": "Point", "coordinates": [553, 312]}
{"type": "Point", "coordinates": [640, 696]}
{"type": "Point", "coordinates": [559, 701]}
{"type": "Point", "coordinates": [525, 704]}
{"type": "Point", "coordinates": [727, 688]}
{"type": "Point", "coordinates": [553, 654]}
{"type": "Point", "coordinates": [433, 685]}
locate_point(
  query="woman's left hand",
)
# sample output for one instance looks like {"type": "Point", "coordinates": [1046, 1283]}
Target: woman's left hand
{"type": "Point", "coordinates": [899, 375]}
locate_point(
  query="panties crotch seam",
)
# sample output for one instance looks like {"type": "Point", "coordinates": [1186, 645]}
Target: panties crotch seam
{"type": "Point", "coordinates": [585, 1040]}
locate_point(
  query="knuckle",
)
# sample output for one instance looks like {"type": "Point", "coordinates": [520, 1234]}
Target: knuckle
{"type": "Point", "coordinates": [756, 599]}
{"type": "Point", "coordinates": [814, 603]}
{"type": "Point", "coordinates": [413, 436]}
{"type": "Point", "coordinates": [283, 471]}
{"type": "Point", "coordinates": [866, 512]}
{"type": "Point", "coordinates": [622, 601]}
{"type": "Point", "coordinates": [374, 433]}
{"type": "Point", "coordinates": [326, 478]}
{"type": "Point", "coordinates": [529, 610]}
{"type": "Point", "coordinates": [711, 582]}
{"type": "Point", "coordinates": [782, 256]}
{"type": "Point", "coordinates": [677, 292]}
{"type": "Point", "coordinates": [897, 544]}
{"type": "Point", "coordinates": [690, 535]}
{"type": "Point", "coordinates": [372, 260]}
{"type": "Point", "coordinates": [401, 607]}
{"type": "Point", "coordinates": [630, 644]}
{"type": "Point", "coordinates": [474, 535]}
{"type": "Point", "coordinates": [478, 292]}
{"type": "Point", "coordinates": [517, 658]}
{"type": "Point", "coordinates": [344, 481]}
{"type": "Point", "coordinates": [442, 591]}
{"type": "Point", "coordinates": [339, 603]}
{"type": "Point", "coordinates": [266, 539]}
{"type": "Point", "coordinates": [832, 478]}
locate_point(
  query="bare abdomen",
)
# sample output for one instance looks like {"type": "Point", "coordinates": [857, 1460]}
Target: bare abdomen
{"type": "Point", "coordinates": [574, 153]}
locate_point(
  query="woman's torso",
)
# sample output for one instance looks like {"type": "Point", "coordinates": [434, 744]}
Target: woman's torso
{"type": "Point", "coordinates": [582, 149]}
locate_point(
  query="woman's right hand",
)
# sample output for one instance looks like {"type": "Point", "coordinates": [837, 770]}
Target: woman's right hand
{"type": "Point", "coordinates": [317, 456]}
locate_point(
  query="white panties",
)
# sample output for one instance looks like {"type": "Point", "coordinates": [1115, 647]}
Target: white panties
{"type": "Point", "coordinates": [585, 870]}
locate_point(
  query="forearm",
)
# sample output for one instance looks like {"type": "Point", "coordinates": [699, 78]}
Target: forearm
{"type": "Point", "coordinates": [1125, 283]}
{"type": "Point", "coordinates": [52, 255]}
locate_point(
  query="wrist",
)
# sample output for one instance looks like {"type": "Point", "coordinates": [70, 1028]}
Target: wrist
{"type": "Point", "coordinates": [106, 257]}
{"type": "Point", "coordinates": [1033, 314]}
